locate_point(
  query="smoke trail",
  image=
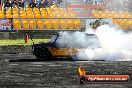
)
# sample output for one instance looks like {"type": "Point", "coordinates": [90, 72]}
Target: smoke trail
{"type": "Point", "coordinates": [115, 44]}
{"type": "Point", "coordinates": [77, 40]}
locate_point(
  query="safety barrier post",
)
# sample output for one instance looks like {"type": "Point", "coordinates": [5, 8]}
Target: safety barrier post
{"type": "Point", "coordinates": [26, 38]}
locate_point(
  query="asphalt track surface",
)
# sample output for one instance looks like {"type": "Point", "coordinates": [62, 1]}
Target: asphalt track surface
{"type": "Point", "coordinates": [27, 72]}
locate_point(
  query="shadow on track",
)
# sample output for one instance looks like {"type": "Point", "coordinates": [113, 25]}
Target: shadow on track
{"type": "Point", "coordinates": [37, 60]}
{"type": "Point", "coordinates": [49, 59]}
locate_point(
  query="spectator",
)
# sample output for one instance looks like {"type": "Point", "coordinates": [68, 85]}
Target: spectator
{"type": "Point", "coordinates": [0, 5]}
{"type": "Point", "coordinates": [26, 3]}
{"type": "Point", "coordinates": [86, 1]}
{"type": "Point", "coordinates": [15, 3]}
{"type": "Point", "coordinates": [8, 3]}
{"type": "Point", "coordinates": [44, 3]}
{"type": "Point", "coordinates": [58, 1]}
{"type": "Point", "coordinates": [97, 1]}
{"type": "Point", "coordinates": [21, 3]}
{"type": "Point", "coordinates": [89, 1]}
{"type": "Point", "coordinates": [67, 4]}
{"type": "Point", "coordinates": [32, 4]}
{"type": "Point", "coordinates": [54, 4]}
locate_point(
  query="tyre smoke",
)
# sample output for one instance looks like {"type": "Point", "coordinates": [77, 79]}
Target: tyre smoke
{"type": "Point", "coordinates": [115, 45]}
{"type": "Point", "coordinates": [111, 44]}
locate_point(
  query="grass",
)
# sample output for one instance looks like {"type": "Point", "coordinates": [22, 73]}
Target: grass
{"type": "Point", "coordinates": [21, 42]}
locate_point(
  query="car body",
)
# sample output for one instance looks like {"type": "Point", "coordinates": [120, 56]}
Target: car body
{"type": "Point", "coordinates": [46, 51]}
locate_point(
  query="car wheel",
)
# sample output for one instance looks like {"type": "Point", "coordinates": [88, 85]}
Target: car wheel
{"type": "Point", "coordinates": [43, 54]}
{"type": "Point", "coordinates": [39, 57]}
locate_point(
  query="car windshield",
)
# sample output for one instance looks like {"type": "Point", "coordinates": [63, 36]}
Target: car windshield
{"type": "Point", "coordinates": [53, 38]}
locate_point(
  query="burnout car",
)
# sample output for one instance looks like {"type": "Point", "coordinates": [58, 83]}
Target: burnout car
{"type": "Point", "coordinates": [51, 49]}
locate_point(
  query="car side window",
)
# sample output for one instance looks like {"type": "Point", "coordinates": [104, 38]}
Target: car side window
{"type": "Point", "coordinates": [53, 38]}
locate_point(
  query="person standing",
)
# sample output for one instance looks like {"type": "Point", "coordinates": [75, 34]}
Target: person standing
{"type": "Point", "coordinates": [67, 4]}
{"type": "Point", "coordinates": [15, 3]}
{"type": "Point", "coordinates": [44, 4]}
{"type": "Point", "coordinates": [8, 3]}
{"type": "Point", "coordinates": [32, 4]}
{"type": "Point", "coordinates": [21, 3]}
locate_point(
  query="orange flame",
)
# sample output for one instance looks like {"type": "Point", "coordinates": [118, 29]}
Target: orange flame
{"type": "Point", "coordinates": [81, 71]}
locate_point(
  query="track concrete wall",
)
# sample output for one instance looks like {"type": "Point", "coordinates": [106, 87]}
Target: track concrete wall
{"type": "Point", "coordinates": [21, 35]}
{"type": "Point", "coordinates": [39, 34]}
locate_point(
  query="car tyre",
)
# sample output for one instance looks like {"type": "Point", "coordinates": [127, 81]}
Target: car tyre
{"type": "Point", "coordinates": [43, 54]}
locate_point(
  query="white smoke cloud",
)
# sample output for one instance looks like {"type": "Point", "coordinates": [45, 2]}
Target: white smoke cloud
{"type": "Point", "coordinates": [115, 44]}
{"type": "Point", "coordinates": [113, 38]}
{"type": "Point", "coordinates": [77, 40]}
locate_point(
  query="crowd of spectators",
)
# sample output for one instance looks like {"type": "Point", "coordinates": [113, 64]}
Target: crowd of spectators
{"type": "Point", "coordinates": [93, 1]}
{"type": "Point", "coordinates": [14, 3]}
{"type": "Point", "coordinates": [31, 3]}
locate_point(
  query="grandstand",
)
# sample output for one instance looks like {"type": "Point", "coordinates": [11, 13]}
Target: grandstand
{"type": "Point", "coordinates": [121, 18]}
{"type": "Point", "coordinates": [108, 9]}
{"type": "Point", "coordinates": [71, 17]}
{"type": "Point", "coordinates": [61, 18]}
{"type": "Point", "coordinates": [42, 18]}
